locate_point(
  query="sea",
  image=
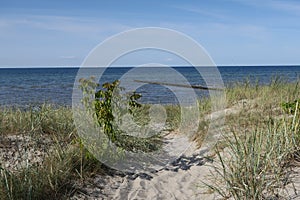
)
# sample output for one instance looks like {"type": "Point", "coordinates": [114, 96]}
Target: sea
{"type": "Point", "coordinates": [25, 87]}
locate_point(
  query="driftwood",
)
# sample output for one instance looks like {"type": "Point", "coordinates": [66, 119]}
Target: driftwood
{"type": "Point", "coordinates": [180, 85]}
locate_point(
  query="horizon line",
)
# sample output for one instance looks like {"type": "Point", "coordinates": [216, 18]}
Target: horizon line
{"type": "Point", "coordinates": [118, 66]}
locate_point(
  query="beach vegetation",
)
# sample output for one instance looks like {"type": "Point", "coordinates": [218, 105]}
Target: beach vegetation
{"type": "Point", "coordinates": [108, 105]}
{"type": "Point", "coordinates": [260, 144]}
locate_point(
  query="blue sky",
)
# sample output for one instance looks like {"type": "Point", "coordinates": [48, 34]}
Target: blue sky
{"type": "Point", "coordinates": [234, 32]}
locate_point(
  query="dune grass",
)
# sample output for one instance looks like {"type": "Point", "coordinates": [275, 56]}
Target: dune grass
{"type": "Point", "coordinates": [255, 164]}
{"type": "Point", "coordinates": [262, 141]}
{"type": "Point", "coordinates": [67, 161]}
{"type": "Point", "coordinates": [55, 179]}
{"type": "Point", "coordinates": [43, 119]}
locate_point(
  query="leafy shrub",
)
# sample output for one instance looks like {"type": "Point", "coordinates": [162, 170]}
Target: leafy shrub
{"type": "Point", "coordinates": [109, 104]}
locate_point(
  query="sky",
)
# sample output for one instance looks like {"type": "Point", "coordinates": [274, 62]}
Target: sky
{"type": "Point", "coordinates": [233, 32]}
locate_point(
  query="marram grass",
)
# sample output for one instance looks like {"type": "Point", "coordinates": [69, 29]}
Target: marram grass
{"type": "Point", "coordinates": [263, 139]}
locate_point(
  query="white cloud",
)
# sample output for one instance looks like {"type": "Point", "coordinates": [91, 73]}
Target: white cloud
{"type": "Point", "coordinates": [222, 30]}
{"type": "Point", "coordinates": [63, 24]}
{"type": "Point", "coordinates": [218, 14]}
{"type": "Point", "coordinates": [292, 7]}
{"type": "Point", "coordinates": [288, 6]}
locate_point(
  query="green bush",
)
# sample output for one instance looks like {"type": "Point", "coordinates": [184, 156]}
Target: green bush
{"type": "Point", "coordinates": [108, 105]}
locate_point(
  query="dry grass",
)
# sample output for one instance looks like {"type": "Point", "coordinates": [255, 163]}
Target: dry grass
{"type": "Point", "coordinates": [68, 161]}
{"type": "Point", "coordinates": [262, 141]}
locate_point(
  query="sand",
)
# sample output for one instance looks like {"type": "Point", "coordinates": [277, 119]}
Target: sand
{"type": "Point", "coordinates": [181, 179]}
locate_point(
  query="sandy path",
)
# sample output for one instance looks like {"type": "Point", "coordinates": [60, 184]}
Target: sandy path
{"type": "Point", "coordinates": [166, 185]}
{"type": "Point", "coordinates": [181, 179]}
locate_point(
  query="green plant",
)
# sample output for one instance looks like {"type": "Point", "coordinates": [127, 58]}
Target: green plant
{"type": "Point", "coordinates": [107, 98]}
{"type": "Point", "coordinates": [108, 105]}
{"type": "Point", "coordinates": [291, 107]}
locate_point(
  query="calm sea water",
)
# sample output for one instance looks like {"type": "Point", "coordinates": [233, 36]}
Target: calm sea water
{"type": "Point", "coordinates": [25, 87]}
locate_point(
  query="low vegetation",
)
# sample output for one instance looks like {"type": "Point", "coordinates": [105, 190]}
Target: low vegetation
{"type": "Point", "coordinates": [67, 160]}
{"type": "Point", "coordinates": [261, 144]}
